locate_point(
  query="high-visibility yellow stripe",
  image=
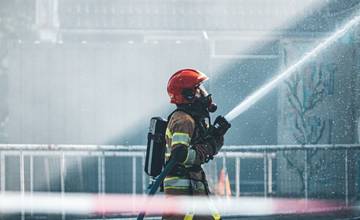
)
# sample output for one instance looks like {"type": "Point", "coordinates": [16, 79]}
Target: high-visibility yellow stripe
{"type": "Point", "coordinates": [177, 182]}
{"type": "Point", "coordinates": [176, 187]}
{"type": "Point", "coordinates": [168, 133]}
{"type": "Point", "coordinates": [180, 142]}
{"type": "Point", "coordinates": [171, 178]}
{"type": "Point", "coordinates": [216, 216]}
{"type": "Point", "coordinates": [188, 217]}
{"type": "Point", "coordinates": [180, 138]}
{"type": "Point", "coordinates": [181, 134]}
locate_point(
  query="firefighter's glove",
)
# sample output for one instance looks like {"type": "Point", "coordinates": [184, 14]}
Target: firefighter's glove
{"type": "Point", "coordinates": [215, 143]}
{"type": "Point", "coordinates": [220, 127]}
{"type": "Point", "coordinates": [216, 132]}
{"type": "Point", "coordinates": [204, 152]}
{"type": "Point", "coordinates": [209, 148]}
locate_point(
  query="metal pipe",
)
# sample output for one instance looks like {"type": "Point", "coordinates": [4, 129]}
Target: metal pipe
{"type": "Point", "coordinates": [92, 150]}
{"type": "Point", "coordinates": [81, 174]}
{"type": "Point", "coordinates": [256, 148]}
{"type": "Point", "coordinates": [234, 154]}
{"type": "Point", "coordinates": [75, 153]}
{"type": "Point", "coordinates": [22, 180]}
{"type": "Point", "coordinates": [62, 180]}
{"type": "Point", "coordinates": [237, 177]}
{"type": "Point", "coordinates": [2, 172]}
{"type": "Point", "coordinates": [270, 172]}
{"type": "Point", "coordinates": [31, 178]}
{"type": "Point", "coordinates": [47, 173]}
{"type": "Point", "coordinates": [103, 179]}
{"type": "Point", "coordinates": [224, 161]}
{"type": "Point", "coordinates": [346, 179]}
{"type": "Point", "coordinates": [143, 174]}
{"type": "Point", "coordinates": [306, 178]}
{"type": "Point", "coordinates": [134, 175]}
{"type": "Point", "coordinates": [99, 174]}
{"type": "Point", "coordinates": [265, 174]}
{"type": "Point", "coordinates": [68, 147]}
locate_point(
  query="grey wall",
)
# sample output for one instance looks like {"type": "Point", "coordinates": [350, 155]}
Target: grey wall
{"type": "Point", "coordinates": [90, 93]}
{"type": "Point", "coordinates": [340, 69]}
{"type": "Point", "coordinates": [105, 92]}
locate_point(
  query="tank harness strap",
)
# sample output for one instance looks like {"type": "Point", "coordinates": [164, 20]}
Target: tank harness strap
{"type": "Point", "coordinates": [207, 190]}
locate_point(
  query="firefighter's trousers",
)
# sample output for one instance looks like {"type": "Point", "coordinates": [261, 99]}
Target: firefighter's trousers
{"type": "Point", "coordinates": [176, 186]}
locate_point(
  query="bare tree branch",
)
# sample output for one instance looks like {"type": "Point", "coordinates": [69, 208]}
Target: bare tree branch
{"type": "Point", "coordinates": [319, 136]}
{"type": "Point", "coordinates": [300, 130]}
{"type": "Point", "coordinates": [296, 107]}
{"type": "Point", "coordinates": [304, 132]}
{"type": "Point", "coordinates": [297, 168]}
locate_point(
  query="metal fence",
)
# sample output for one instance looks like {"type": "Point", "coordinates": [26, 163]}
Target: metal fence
{"type": "Point", "coordinates": [252, 170]}
{"type": "Point", "coordinates": [338, 167]}
{"type": "Point", "coordinates": [101, 169]}
{"type": "Point", "coordinates": [93, 166]}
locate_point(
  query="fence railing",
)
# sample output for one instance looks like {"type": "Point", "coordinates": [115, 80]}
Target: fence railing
{"type": "Point", "coordinates": [19, 164]}
{"type": "Point", "coordinates": [119, 169]}
{"type": "Point", "coordinates": [347, 163]}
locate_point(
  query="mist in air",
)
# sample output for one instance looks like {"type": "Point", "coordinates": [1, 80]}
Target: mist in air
{"type": "Point", "coordinates": [95, 73]}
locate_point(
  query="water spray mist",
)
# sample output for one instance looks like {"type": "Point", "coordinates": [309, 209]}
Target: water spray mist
{"type": "Point", "coordinates": [257, 95]}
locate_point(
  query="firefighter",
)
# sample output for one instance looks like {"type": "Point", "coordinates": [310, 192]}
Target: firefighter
{"type": "Point", "coordinates": [185, 138]}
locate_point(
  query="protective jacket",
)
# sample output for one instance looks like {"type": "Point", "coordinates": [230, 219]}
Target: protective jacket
{"type": "Point", "coordinates": [188, 178]}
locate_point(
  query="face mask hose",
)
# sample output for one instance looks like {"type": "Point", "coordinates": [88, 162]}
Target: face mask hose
{"type": "Point", "coordinates": [212, 107]}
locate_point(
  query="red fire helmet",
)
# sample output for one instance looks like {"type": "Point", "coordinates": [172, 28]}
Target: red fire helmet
{"type": "Point", "coordinates": [182, 82]}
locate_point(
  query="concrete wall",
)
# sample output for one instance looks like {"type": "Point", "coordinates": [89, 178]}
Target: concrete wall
{"type": "Point", "coordinates": [91, 93]}
{"type": "Point", "coordinates": [77, 92]}
{"type": "Point", "coordinates": [339, 67]}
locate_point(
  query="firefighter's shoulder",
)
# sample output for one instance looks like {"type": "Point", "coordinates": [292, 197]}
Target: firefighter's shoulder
{"type": "Point", "coordinates": [183, 117]}
{"type": "Point", "coordinates": [181, 120]}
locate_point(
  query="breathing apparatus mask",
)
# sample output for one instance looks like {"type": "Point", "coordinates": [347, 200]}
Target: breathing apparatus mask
{"type": "Point", "coordinates": [203, 99]}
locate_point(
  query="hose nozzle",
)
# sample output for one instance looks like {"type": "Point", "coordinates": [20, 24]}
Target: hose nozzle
{"type": "Point", "coordinates": [221, 126]}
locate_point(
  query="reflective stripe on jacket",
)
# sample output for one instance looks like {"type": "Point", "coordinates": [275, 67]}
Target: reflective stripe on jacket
{"type": "Point", "coordinates": [181, 183]}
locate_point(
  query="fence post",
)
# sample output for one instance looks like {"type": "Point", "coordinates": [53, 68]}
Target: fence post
{"type": "Point", "coordinates": [22, 182]}
{"type": "Point", "coordinates": [101, 177]}
{"type": "Point", "coordinates": [265, 174]}
{"type": "Point", "coordinates": [31, 179]}
{"type": "Point", "coordinates": [270, 178]}
{"type": "Point", "coordinates": [103, 173]}
{"type": "Point", "coordinates": [346, 179]}
{"type": "Point", "coordinates": [144, 186]}
{"type": "Point", "coordinates": [47, 173]}
{"type": "Point", "coordinates": [237, 176]}
{"type": "Point", "coordinates": [2, 157]}
{"type": "Point", "coordinates": [306, 177]}
{"type": "Point", "coordinates": [133, 174]}
{"type": "Point", "coordinates": [224, 161]}
{"type": "Point", "coordinates": [62, 180]}
{"type": "Point", "coordinates": [81, 173]}
{"type": "Point", "coordinates": [99, 174]}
